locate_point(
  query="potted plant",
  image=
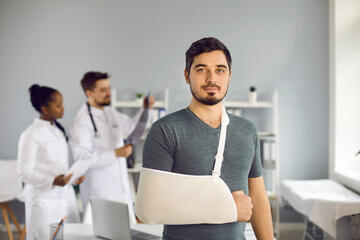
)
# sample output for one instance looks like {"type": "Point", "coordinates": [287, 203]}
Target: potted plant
{"type": "Point", "coordinates": [139, 98]}
{"type": "Point", "coordinates": [252, 95]}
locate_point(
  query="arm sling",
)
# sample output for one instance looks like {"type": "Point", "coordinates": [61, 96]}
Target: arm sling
{"type": "Point", "coordinates": [174, 199]}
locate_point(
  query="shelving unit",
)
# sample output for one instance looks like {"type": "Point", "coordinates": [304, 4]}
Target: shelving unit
{"type": "Point", "coordinates": [136, 104]}
{"type": "Point", "coordinates": [160, 105]}
{"type": "Point", "coordinates": [272, 137]}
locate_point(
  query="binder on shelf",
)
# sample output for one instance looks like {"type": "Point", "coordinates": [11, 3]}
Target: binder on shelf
{"type": "Point", "coordinates": [161, 112]}
{"type": "Point", "coordinates": [268, 153]}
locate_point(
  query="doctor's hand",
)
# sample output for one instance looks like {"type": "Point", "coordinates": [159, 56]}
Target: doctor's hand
{"type": "Point", "coordinates": [79, 180]}
{"type": "Point", "coordinates": [124, 151]}
{"type": "Point", "coordinates": [62, 180]}
{"type": "Point", "coordinates": [149, 103]}
{"type": "Point", "coordinates": [243, 206]}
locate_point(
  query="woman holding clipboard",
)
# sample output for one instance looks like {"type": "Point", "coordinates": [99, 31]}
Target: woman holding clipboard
{"type": "Point", "coordinates": [42, 161]}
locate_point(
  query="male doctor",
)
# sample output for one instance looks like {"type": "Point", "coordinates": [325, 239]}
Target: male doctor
{"type": "Point", "coordinates": [97, 135]}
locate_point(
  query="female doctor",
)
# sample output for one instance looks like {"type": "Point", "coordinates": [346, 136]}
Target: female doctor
{"type": "Point", "coordinates": [42, 161]}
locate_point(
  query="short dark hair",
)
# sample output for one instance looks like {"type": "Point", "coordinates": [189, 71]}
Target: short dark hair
{"type": "Point", "coordinates": [90, 78]}
{"type": "Point", "coordinates": [203, 45]}
{"type": "Point", "coordinates": [41, 96]}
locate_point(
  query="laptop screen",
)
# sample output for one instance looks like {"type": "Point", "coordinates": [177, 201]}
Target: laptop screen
{"type": "Point", "coordinates": [110, 219]}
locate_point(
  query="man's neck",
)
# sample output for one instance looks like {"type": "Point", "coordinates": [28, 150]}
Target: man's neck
{"type": "Point", "coordinates": [211, 115]}
{"type": "Point", "coordinates": [93, 104]}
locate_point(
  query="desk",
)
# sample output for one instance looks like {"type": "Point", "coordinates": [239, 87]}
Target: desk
{"type": "Point", "coordinates": [80, 231]}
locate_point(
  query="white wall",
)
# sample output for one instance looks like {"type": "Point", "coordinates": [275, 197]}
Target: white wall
{"type": "Point", "coordinates": [347, 83]}
{"type": "Point", "coordinates": [345, 88]}
{"type": "Point", "coordinates": [275, 44]}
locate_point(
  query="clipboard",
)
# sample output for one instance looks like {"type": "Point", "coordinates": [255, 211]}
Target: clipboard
{"type": "Point", "coordinates": [78, 169]}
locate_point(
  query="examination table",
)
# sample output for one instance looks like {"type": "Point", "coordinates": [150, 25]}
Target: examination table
{"type": "Point", "coordinates": [325, 203]}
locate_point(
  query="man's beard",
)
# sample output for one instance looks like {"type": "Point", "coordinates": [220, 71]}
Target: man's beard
{"type": "Point", "coordinates": [104, 103]}
{"type": "Point", "coordinates": [208, 100]}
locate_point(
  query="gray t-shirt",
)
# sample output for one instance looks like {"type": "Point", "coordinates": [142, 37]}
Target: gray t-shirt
{"type": "Point", "coordinates": [182, 143]}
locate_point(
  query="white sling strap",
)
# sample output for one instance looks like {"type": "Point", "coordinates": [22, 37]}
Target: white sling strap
{"type": "Point", "coordinates": [219, 157]}
{"type": "Point", "coordinates": [170, 198]}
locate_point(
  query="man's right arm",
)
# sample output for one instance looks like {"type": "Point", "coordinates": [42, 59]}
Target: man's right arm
{"type": "Point", "coordinates": [158, 148]}
{"type": "Point", "coordinates": [156, 152]}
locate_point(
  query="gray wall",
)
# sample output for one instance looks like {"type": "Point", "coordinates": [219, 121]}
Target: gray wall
{"type": "Point", "coordinates": [277, 44]}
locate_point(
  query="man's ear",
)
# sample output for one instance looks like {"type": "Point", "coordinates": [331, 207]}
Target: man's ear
{"type": "Point", "coordinates": [88, 93]}
{"type": "Point", "coordinates": [186, 74]}
{"type": "Point", "coordinates": [230, 76]}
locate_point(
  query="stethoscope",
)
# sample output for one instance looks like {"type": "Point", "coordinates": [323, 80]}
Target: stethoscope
{"type": "Point", "coordinates": [97, 134]}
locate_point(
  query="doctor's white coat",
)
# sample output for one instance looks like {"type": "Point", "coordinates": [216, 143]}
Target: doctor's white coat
{"type": "Point", "coordinates": [42, 156]}
{"type": "Point", "coordinates": [107, 177]}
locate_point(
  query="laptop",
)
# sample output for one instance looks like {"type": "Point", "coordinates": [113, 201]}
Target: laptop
{"type": "Point", "coordinates": [111, 221]}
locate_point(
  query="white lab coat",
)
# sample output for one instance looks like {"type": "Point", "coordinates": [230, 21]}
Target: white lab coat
{"type": "Point", "coordinates": [43, 155]}
{"type": "Point", "coordinates": [107, 177]}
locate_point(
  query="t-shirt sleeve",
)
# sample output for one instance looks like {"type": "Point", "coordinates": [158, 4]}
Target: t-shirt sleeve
{"type": "Point", "coordinates": [256, 167]}
{"type": "Point", "coordinates": [159, 148]}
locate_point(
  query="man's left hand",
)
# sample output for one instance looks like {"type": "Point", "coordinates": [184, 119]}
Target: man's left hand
{"type": "Point", "coordinates": [149, 103]}
{"type": "Point", "coordinates": [79, 180]}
